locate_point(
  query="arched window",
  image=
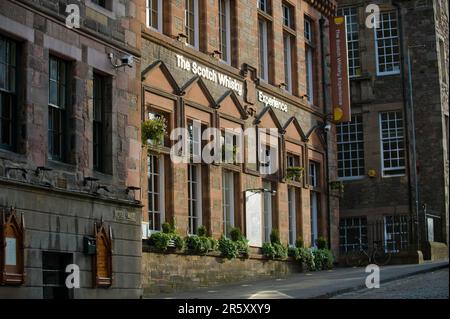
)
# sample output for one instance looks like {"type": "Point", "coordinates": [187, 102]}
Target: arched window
{"type": "Point", "coordinates": [103, 256]}
{"type": "Point", "coordinates": [12, 248]}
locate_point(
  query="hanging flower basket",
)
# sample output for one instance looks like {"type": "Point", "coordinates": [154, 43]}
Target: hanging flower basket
{"type": "Point", "coordinates": [153, 131]}
{"type": "Point", "coordinates": [295, 173]}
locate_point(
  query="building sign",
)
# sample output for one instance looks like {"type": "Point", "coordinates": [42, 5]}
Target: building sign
{"type": "Point", "coordinates": [340, 86]}
{"type": "Point", "coordinates": [271, 101]}
{"type": "Point", "coordinates": [210, 74]}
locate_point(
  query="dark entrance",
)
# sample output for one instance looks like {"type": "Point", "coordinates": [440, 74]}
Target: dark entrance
{"type": "Point", "coordinates": [54, 275]}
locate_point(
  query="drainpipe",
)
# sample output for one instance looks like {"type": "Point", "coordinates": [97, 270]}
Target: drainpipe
{"type": "Point", "coordinates": [405, 111]}
{"type": "Point", "coordinates": [326, 111]}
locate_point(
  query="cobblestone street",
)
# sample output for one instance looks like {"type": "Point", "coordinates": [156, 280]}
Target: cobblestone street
{"type": "Point", "coordinates": [433, 285]}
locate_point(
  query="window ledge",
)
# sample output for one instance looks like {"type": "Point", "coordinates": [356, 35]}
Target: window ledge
{"type": "Point", "coordinates": [104, 11]}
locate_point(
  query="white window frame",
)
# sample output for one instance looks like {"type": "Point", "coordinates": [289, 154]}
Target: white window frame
{"type": "Point", "coordinates": [402, 223]}
{"type": "Point", "coordinates": [358, 223]}
{"type": "Point", "coordinates": [292, 215]}
{"type": "Point", "coordinates": [266, 5]}
{"type": "Point", "coordinates": [267, 212]}
{"type": "Point", "coordinates": [287, 20]}
{"type": "Point", "coordinates": [161, 193]}
{"type": "Point", "coordinates": [353, 144]}
{"type": "Point", "coordinates": [160, 15]}
{"type": "Point", "coordinates": [402, 137]}
{"type": "Point", "coordinates": [227, 14]}
{"type": "Point", "coordinates": [310, 74]}
{"type": "Point", "coordinates": [393, 38]}
{"type": "Point", "coordinates": [287, 44]}
{"type": "Point", "coordinates": [196, 24]}
{"type": "Point", "coordinates": [228, 185]}
{"type": "Point", "coordinates": [198, 212]}
{"type": "Point", "coordinates": [263, 50]}
{"type": "Point", "coordinates": [313, 177]}
{"type": "Point", "coordinates": [354, 58]}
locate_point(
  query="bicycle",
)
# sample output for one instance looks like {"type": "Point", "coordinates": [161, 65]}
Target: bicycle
{"type": "Point", "coordinates": [369, 256]}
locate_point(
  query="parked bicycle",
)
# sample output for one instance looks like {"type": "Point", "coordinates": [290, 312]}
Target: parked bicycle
{"type": "Point", "coordinates": [363, 257]}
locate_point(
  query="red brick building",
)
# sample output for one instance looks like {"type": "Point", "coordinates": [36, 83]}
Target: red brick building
{"type": "Point", "coordinates": [248, 65]}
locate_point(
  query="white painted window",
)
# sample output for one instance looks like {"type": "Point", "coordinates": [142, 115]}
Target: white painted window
{"type": "Point", "coordinates": [292, 216]}
{"type": "Point", "coordinates": [194, 197]}
{"type": "Point", "coordinates": [228, 201]}
{"type": "Point", "coordinates": [314, 210]}
{"type": "Point", "coordinates": [396, 235]}
{"type": "Point", "coordinates": [155, 191]}
{"type": "Point", "coordinates": [192, 23]}
{"type": "Point", "coordinates": [387, 47]}
{"type": "Point", "coordinates": [267, 216]}
{"type": "Point", "coordinates": [288, 62]}
{"type": "Point", "coordinates": [155, 14]}
{"type": "Point", "coordinates": [353, 234]}
{"type": "Point", "coordinates": [264, 5]}
{"type": "Point", "coordinates": [195, 138]}
{"type": "Point", "coordinates": [350, 143]}
{"type": "Point", "coordinates": [392, 143]}
{"type": "Point", "coordinates": [288, 16]}
{"type": "Point", "coordinates": [225, 30]}
{"type": "Point", "coordinates": [309, 59]}
{"type": "Point", "coordinates": [314, 174]}
{"type": "Point", "coordinates": [263, 50]}
{"type": "Point", "coordinates": [354, 61]}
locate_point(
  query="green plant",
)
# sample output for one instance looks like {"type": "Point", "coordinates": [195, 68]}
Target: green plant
{"type": "Point", "coordinates": [201, 231]}
{"type": "Point", "coordinates": [242, 247]}
{"type": "Point", "coordinates": [213, 244]}
{"type": "Point", "coordinates": [321, 242]}
{"type": "Point", "coordinates": [228, 248]}
{"type": "Point", "coordinates": [235, 234]}
{"type": "Point", "coordinates": [294, 173]}
{"type": "Point", "coordinates": [160, 240]}
{"type": "Point", "coordinates": [178, 241]}
{"type": "Point", "coordinates": [323, 259]}
{"type": "Point", "coordinates": [275, 236]}
{"type": "Point", "coordinates": [280, 251]}
{"type": "Point", "coordinates": [154, 130]}
{"type": "Point", "coordinates": [268, 250]}
{"type": "Point", "coordinates": [307, 258]}
{"type": "Point", "coordinates": [299, 242]}
{"type": "Point", "coordinates": [294, 253]}
{"type": "Point", "coordinates": [166, 228]}
{"type": "Point", "coordinates": [199, 245]}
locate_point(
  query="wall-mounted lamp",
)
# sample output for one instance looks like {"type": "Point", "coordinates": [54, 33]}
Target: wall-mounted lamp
{"type": "Point", "coordinates": [261, 190]}
{"type": "Point", "coordinates": [216, 54]}
{"type": "Point", "coordinates": [282, 86]}
{"type": "Point", "coordinates": [126, 60]}
{"type": "Point", "coordinates": [181, 37]}
{"type": "Point", "coordinates": [40, 169]}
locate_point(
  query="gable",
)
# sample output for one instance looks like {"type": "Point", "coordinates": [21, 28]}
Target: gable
{"type": "Point", "coordinates": [198, 95]}
{"type": "Point", "coordinates": [231, 106]}
{"type": "Point", "coordinates": [158, 76]}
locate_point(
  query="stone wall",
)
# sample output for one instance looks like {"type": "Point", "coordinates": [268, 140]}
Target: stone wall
{"type": "Point", "coordinates": [165, 273]}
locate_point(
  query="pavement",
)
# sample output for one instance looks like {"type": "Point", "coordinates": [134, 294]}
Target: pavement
{"type": "Point", "coordinates": [432, 285]}
{"type": "Point", "coordinates": [321, 284]}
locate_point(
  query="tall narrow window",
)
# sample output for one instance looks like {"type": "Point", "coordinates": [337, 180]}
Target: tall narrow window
{"type": "Point", "coordinates": [292, 215]}
{"type": "Point", "coordinates": [387, 47]}
{"type": "Point", "coordinates": [192, 23]}
{"type": "Point", "coordinates": [350, 143]}
{"type": "Point", "coordinates": [58, 93]}
{"type": "Point", "coordinates": [396, 235]}
{"type": "Point", "coordinates": [225, 30]}
{"type": "Point", "coordinates": [288, 62]}
{"type": "Point", "coordinates": [155, 191]}
{"type": "Point", "coordinates": [194, 195]}
{"type": "Point", "coordinates": [392, 143]}
{"type": "Point", "coordinates": [444, 69]}
{"type": "Point", "coordinates": [154, 14]}
{"type": "Point", "coordinates": [354, 63]}
{"type": "Point", "coordinates": [263, 50]}
{"type": "Point", "coordinates": [267, 216]}
{"type": "Point", "coordinates": [288, 16]}
{"type": "Point", "coordinates": [309, 60]}
{"type": "Point", "coordinates": [228, 201]}
{"type": "Point", "coordinates": [99, 115]}
{"type": "Point", "coordinates": [264, 5]}
{"type": "Point", "coordinates": [314, 182]}
{"type": "Point", "coordinates": [8, 101]}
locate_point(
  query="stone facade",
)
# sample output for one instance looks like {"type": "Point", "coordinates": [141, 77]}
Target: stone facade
{"type": "Point", "coordinates": [62, 201]}
{"type": "Point", "coordinates": [423, 25]}
{"type": "Point", "coordinates": [181, 96]}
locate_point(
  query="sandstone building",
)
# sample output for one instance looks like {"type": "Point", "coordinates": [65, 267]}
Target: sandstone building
{"type": "Point", "coordinates": [69, 149]}
{"type": "Point", "coordinates": [393, 156]}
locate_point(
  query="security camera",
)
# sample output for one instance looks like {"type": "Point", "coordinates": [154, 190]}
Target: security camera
{"type": "Point", "coordinates": [127, 60]}
{"type": "Point", "coordinates": [327, 128]}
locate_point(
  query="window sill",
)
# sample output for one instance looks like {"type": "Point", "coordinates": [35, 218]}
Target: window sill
{"type": "Point", "coordinates": [107, 12]}
{"type": "Point", "coordinates": [12, 156]}
{"type": "Point", "coordinates": [58, 165]}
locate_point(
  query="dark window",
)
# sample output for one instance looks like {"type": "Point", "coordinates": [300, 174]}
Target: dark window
{"type": "Point", "coordinates": [54, 275]}
{"type": "Point", "coordinates": [288, 16]}
{"type": "Point", "coordinates": [99, 114]}
{"type": "Point", "coordinates": [8, 85]}
{"type": "Point", "coordinates": [58, 90]}
{"type": "Point", "coordinates": [101, 3]}
{"type": "Point", "coordinates": [264, 5]}
{"type": "Point", "coordinates": [350, 143]}
{"type": "Point", "coordinates": [353, 234]}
